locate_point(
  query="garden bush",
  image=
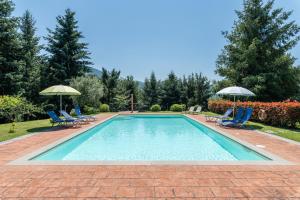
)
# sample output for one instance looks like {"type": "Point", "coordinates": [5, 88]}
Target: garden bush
{"type": "Point", "coordinates": [104, 108]}
{"type": "Point", "coordinates": [89, 110]}
{"type": "Point", "coordinates": [177, 108]}
{"type": "Point", "coordinates": [155, 108]}
{"type": "Point", "coordinates": [17, 109]}
{"type": "Point", "coordinates": [284, 114]}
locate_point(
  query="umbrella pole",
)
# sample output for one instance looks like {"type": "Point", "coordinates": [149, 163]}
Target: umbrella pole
{"type": "Point", "coordinates": [233, 105]}
{"type": "Point", "coordinates": [60, 102]}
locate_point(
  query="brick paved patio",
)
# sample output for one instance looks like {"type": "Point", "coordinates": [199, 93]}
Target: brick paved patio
{"type": "Point", "coordinates": [149, 182]}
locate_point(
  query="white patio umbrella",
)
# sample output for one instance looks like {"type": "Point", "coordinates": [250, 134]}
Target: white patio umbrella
{"type": "Point", "coordinates": [235, 91]}
{"type": "Point", "coordinates": [59, 90]}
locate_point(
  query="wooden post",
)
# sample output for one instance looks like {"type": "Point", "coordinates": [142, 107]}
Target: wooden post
{"type": "Point", "coordinates": [131, 103]}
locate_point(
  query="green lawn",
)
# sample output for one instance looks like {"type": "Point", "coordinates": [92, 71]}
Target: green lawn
{"type": "Point", "coordinates": [23, 128]}
{"type": "Point", "coordinates": [293, 134]}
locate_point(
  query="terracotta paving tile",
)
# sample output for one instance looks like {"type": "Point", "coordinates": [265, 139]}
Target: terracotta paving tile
{"type": "Point", "coordinates": [222, 182]}
{"type": "Point", "coordinates": [144, 192]}
{"type": "Point", "coordinates": [188, 192]}
{"type": "Point", "coordinates": [226, 192]}
{"type": "Point", "coordinates": [100, 174]}
{"type": "Point", "coordinates": [54, 192]}
{"type": "Point", "coordinates": [12, 192]}
{"type": "Point", "coordinates": [164, 192]}
{"type": "Point", "coordinates": [293, 181]}
{"type": "Point", "coordinates": [116, 174]}
{"type": "Point", "coordinates": [106, 192]}
{"type": "Point", "coordinates": [270, 192]}
{"type": "Point", "coordinates": [142, 182]}
{"type": "Point", "coordinates": [32, 192]}
{"type": "Point", "coordinates": [205, 182]}
{"type": "Point", "coordinates": [87, 191]}
{"type": "Point", "coordinates": [125, 192]}
{"type": "Point", "coordinates": [78, 182]}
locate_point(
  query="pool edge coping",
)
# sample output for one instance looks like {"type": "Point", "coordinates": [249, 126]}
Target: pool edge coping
{"type": "Point", "coordinates": [25, 160]}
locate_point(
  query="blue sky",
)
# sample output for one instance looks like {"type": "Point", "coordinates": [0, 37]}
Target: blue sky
{"type": "Point", "coordinates": [139, 36]}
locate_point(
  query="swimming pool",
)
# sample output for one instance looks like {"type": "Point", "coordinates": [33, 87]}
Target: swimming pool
{"type": "Point", "coordinates": [150, 138]}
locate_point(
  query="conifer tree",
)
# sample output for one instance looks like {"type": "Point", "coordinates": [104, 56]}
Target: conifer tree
{"type": "Point", "coordinates": [257, 54]}
{"type": "Point", "coordinates": [151, 91]}
{"type": "Point", "coordinates": [127, 87]}
{"type": "Point", "coordinates": [32, 61]}
{"type": "Point", "coordinates": [110, 82]}
{"type": "Point", "coordinates": [10, 65]}
{"type": "Point", "coordinates": [170, 91]}
{"type": "Point", "coordinates": [69, 56]}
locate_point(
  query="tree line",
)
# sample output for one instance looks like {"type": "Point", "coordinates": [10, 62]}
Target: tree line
{"type": "Point", "coordinates": [191, 90]}
{"type": "Point", "coordinates": [257, 56]}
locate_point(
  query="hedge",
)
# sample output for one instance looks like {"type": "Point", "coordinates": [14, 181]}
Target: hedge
{"type": "Point", "coordinates": [283, 114]}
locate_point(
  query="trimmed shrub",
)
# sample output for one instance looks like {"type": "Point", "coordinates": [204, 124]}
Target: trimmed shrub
{"type": "Point", "coordinates": [177, 108]}
{"type": "Point", "coordinates": [155, 108]}
{"type": "Point", "coordinates": [89, 110]}
{"type": "Point", "coordinates": [284, 114]}
{"type": "Point", "coordinates": [104, 108]}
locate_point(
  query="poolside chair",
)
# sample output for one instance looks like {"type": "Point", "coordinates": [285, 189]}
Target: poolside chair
{"type": "Point", "coordinates": [191, 110]}
{"type": "Point", "coordinates": [56, 120]}
{"type": "Point", "coordinates": [198, 110]}
{"type": "Point", "coordinates": [242, 122]}
{"type": "Point", "coordinates": [237, 117]}
{"type": "Point", "coordinates": [219, 117]}
{"type": "Point", "coordinates": [68, 117]}
{"type": "Point", "coordinates": [84, 117]}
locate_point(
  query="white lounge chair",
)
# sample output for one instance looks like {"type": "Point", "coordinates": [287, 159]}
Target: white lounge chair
{"type": "Point", "coordinates": [198, 110]}
{"type": "Point", "coordinates": [191, 110]}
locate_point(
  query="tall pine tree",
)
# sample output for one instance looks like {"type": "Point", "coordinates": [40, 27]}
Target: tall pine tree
{"type": "Point", "coordinates": [257, 54]}
{"type": "Point", "coordinates": [10, 65]}
{"type": "Point", "coordinates": [32, 60]}
{"type": "Point", "coordinates": [170, 91]}
{"type": "Point", "coordinates": [110, 82]}
{"type": "Point", "coordinates": [69, 56]}
{"type": "Point", "coordinates": [151, 91]}
{"type": "Point", "coordinates": [127, 87]}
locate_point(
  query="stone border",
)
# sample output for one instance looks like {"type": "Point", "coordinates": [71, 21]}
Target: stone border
{"type": "Point", "coordinates": [25, 160]}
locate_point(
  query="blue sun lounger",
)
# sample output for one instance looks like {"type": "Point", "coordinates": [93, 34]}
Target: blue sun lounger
{"type": "Point", "coordinates": [70, 118]}
{"type": "Point", "coordinates": [237, 117]}
{"type": "Point", "coordinates": [219, 117]}
{"type": "Point", "coordinates": [84, 117]}
{"type": "Point", "coordinates": [56, 120]}
{"type": "Point", "coordinates": [240, 123]}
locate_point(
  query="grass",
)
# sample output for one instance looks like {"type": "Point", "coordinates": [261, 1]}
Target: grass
{"type": "Point", "coordinates": [23, 128]}
{"type": "Point", "coordinates": [293, 134]}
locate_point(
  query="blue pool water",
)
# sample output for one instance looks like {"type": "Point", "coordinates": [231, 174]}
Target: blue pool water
{"type": "Point", "coordinates": [150, 138]}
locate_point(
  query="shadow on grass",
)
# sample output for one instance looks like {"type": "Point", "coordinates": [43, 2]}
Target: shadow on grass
{"type": "Point", "coordinates": [44, 129]}
{"type": "Point", "coordinates": [50, 128]}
